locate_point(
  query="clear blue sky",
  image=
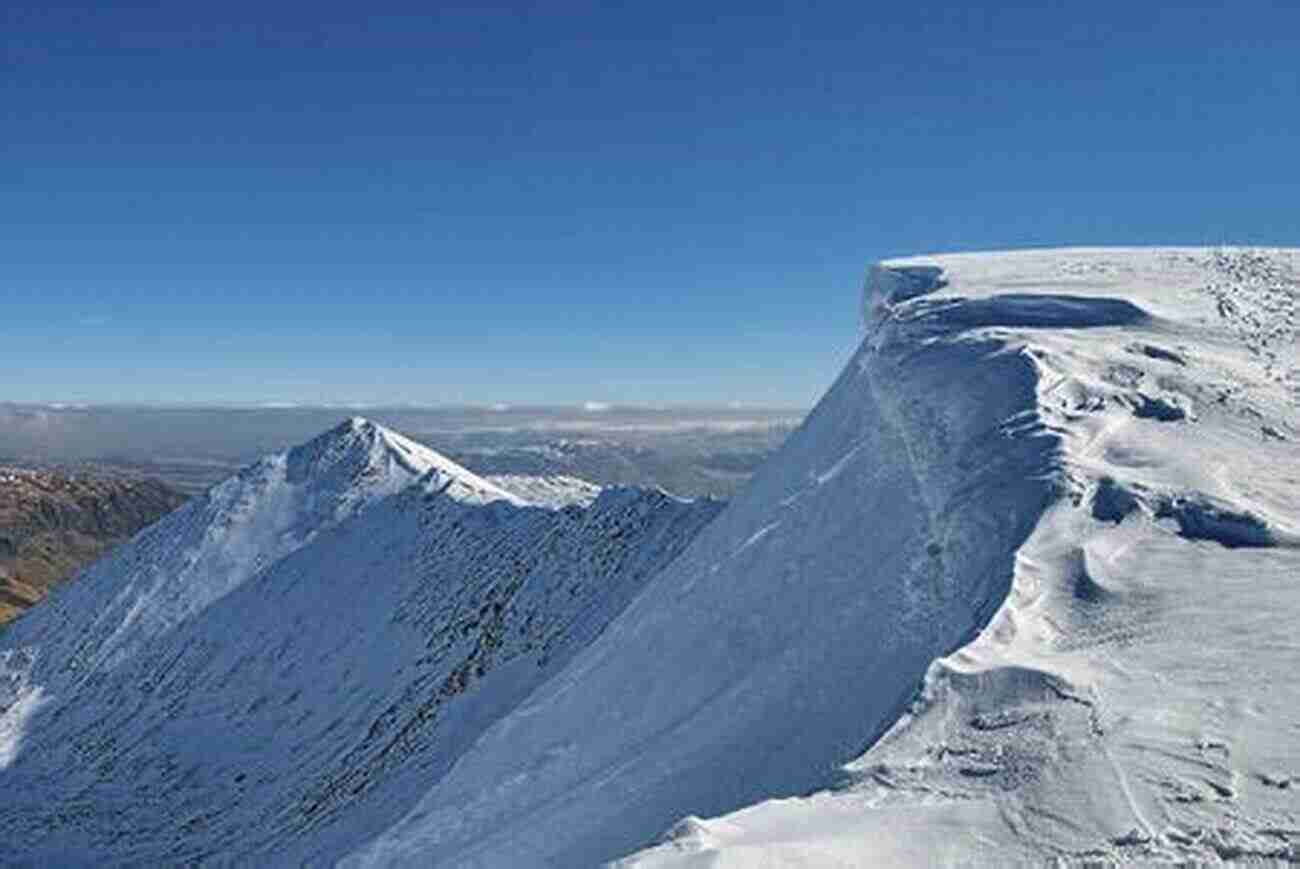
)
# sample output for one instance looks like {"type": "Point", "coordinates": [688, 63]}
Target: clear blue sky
{"type": "Point", "coordinates": [650, 202]}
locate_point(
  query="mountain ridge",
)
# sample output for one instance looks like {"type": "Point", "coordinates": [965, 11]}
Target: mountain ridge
{"type": "Point", "coordinates": [1127, 701]}
{"type": "Point", "coordinates": [1020, 589]}
{"type": "Point", "coordinates": [198, 680]}
{"type": "Point", "coordinates": [360, 447]}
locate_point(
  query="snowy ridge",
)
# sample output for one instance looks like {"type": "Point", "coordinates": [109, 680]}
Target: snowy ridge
{"type": "Point", "coordinates": [274, 673]}
{"type": "Point", "coordinates": [555, 490]}
{"type": "Point", "coordinates": [358, 442]}
{"type": "Point", "coordinates": [1022, 588]}
{"type": "Point", "coordinates": [1132, 699]}
{"type": "Point", "coordinates": [917, 515]}
{"type": "Point", "coordinates": [215, 543]}
{"type": "Point", "coordinates": [788, 635]}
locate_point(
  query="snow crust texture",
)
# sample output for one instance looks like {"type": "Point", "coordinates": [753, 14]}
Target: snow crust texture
{"type": "Point", "coordinates": [1133, 698]}
{"type": "Point", "coordinates": [1022, 589]}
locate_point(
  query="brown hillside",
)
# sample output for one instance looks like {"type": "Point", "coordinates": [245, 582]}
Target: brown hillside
{"type": "Point", "coordinates": [52, 524]}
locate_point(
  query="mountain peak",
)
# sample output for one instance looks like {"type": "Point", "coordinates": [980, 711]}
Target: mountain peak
{"type": "Point", "coordinates": [354, 428]}
{"type": "Point", "coordinates": [358, 449]}
{"type": "Point", "coordinates": [351, 447]}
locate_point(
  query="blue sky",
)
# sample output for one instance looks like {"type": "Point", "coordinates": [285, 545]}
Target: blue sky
{"type": "Point", "coordinates": [563, 202]}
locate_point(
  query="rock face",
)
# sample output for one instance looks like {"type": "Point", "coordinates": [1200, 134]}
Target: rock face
{"type": "Point", "coordinates": [53, 523]}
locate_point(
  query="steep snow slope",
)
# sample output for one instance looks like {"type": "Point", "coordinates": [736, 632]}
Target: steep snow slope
{"type": "Point", "coordinates": [217, 542]}
{"type": "Point", "coordinates": [1041, 535]}
{"type": "Point", "coordinates": [1069, 476]}
{"type": "Point", "coordinates": [275, 673]}
{"type": "Point", "coordinates": [1134, 698]}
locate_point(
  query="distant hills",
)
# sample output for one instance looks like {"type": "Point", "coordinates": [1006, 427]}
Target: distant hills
{"type": "Point", "coordinates": [687, 451]}
{"type": "Point", "coordinates": [53, 523]}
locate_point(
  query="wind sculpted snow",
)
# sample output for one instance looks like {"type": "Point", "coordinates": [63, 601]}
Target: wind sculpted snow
{"type": "Point", "coordinates": [800, 624]}
{"type": "Point", "coordinates": [1021, 589]}
{"type": "Point", "coordinates": [1133, 698]}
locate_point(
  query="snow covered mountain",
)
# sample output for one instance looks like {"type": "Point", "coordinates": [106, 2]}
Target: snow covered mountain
{"type": "Point", "coordinates": [1041, 533]}
{"type": "Point", "coordinates": [1023, 587]}
{"type": "Point", "coordinates": [268, 674]}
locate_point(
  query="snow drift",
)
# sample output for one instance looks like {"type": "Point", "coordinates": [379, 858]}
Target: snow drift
{"type": "Point", "coordinates": [1022, 587]}
{"type": "Point", "coordinates": [1133, 698]}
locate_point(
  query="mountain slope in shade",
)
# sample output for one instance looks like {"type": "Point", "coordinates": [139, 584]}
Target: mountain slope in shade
{"type": "Point", "coordinates": [1041, 533]}
{"type": "Point", "coordinates": [274, 673]}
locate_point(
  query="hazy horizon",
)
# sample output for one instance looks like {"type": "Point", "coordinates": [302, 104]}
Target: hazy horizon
{"type": "Point", "coordinates": [689, 451]}
{"type": "Point", "coordinates": [586, 407]}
